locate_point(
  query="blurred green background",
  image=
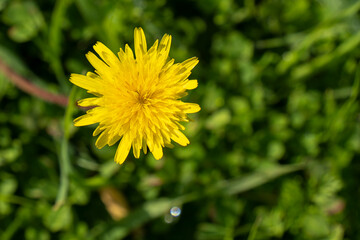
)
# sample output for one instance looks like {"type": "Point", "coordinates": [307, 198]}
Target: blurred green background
{"type": "Point", "coordinates": [274, 152]}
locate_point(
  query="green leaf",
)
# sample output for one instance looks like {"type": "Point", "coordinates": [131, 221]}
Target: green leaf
{"type": "Point", "coordinates": [157, 208]}
{"type": "Point", "coordinates": [8, 185]}
{"type": "Point", "coordinates": [219, 119]}
{"type": "Point", "coordinates": [36, 234]}
{"type": "Point", "coordinates": [242, 184]}
{"type": "Point", "coordinates": [25, 19]}
{"type": "Point", "coordinates": [59, 219]}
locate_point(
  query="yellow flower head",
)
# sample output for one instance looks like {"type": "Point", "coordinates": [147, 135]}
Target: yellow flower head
{"type": "Point", "coordinates": [137, 99]}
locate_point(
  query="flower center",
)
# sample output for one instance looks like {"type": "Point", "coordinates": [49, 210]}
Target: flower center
{"type": "Point", "coordinates": [142, 98]}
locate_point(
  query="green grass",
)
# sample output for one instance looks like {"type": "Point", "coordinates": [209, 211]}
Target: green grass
{"type": "Point", "coordinates": [274, 151]}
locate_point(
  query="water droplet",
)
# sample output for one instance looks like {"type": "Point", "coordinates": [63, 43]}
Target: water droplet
{"type": "Point", "coordinates": [175, 211]}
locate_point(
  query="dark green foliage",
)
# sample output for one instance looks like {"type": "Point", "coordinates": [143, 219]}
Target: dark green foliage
{"type": "Point", "coordinates": [274, 151]}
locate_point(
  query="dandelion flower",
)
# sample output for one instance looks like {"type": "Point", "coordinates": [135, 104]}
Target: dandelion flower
{"type": "Point", "coordinates": [137, 99]}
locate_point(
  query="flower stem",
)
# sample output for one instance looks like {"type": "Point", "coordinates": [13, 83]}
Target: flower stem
{"type": "Point", "coordinates": [64, 159]}
{"type": "Point", "coordinates": [28, 87]}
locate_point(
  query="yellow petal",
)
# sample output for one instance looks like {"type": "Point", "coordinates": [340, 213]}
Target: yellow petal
{"type": "Point", "coordinates": [86, 82]}
{"type": "Point", "coordinates": [157, 152]}
{"type": "Point", "coordinates": [89, 102]}
{"type": "Point", "coordinates": [96, 62]}
{"type": "Point", "coordinates": [107, 55]}
{"type": "Point", "coordinates": [167, 66]}
{"type": "Point", "coordinates": [136, 151]}
{"type": "Point", "coordinates": [102, 139]}
{"type": "Point", "coordinates": [97, 131]}
{"type": "Point", "coordinates": [180, 138]}
{"type": "Point", "coordinates": [169, 145]}
{"type": "Point", "coordinates": [122, 55]}
{"type": "Point", "coordinates": [153, 48]}
{"type": "Point", "coordinates": [136, 146]}
{"type": "Point", "coordinates": [190, 63]}
{"type": "Point", "coordinates": [191, 108]}
{"type": "Point", "coordinates": [113, 139]}
{"type": "Point", "coordinates": [164, 46]}
{"type": "Point", "coordinates": [123, 150]}
{"type": "Point", "coordinates": [191, 84]}
{"type": "Point", "coordinates": [144, 146]}
{"type": "Point", "coordinates": [85, 120]}
{"type": "Point", "coordinates": [140, 43]}
{"type": "Point", "coordinates": [129, 53]}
